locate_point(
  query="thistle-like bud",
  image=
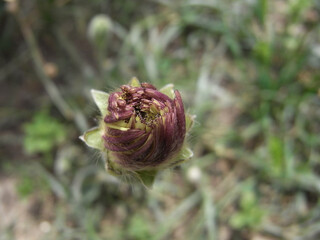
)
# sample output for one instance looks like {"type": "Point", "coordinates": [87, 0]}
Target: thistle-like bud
{"type": "Point", "coordinates": [142, 130]}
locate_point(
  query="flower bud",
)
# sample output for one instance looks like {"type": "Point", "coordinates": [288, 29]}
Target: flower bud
{"type": "Point", "coordinates": [98, 30]}
{"type": "Point", "coordinates": [142, 130]}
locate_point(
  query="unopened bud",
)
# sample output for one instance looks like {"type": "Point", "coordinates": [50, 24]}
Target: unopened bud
{"type": "Point", "coordinates": [142, 130]}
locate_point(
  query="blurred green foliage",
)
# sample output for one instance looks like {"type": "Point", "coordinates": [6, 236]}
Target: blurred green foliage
{"type": "Point", "coordinates": [250, 213]}
{"type": "Point", "coordinates": [43, 133]}
{"type": "Point", "coordinates": [139, 228]}
{"type": "Point", "coordinates": [26, 187]}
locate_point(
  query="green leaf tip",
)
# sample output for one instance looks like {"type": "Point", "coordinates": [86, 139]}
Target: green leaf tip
{"type": "Point", "coordinates": [168, 90]}
{"type": "Point", "coordinates": [147, 178]}
{"type": "Point", "coordinates": [101, 100]}
{"type": "Point", "coordinates": [189, 121]}
{"type": "Point", "coordinates": [93, 138]}
{"type": "Point", "coordinates": [186, 153]}
{"type": "Point", "coordinates": [134, 82]}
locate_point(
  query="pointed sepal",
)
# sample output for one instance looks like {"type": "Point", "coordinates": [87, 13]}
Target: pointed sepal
{"type": "Point", "coordinates": [147, 178]}
{"type": "Point", "coordinates": [189, 121]}
{"type": "Point", "coordinates": [93, 138]}
{"type": "Point", "coordinates": [184, 155]}
{"type": "Point", "coordinates": [101, 100]}
{"type": "Point", "coordinates": [168, 90]}
{"type": "Point", "coordinates": [134, 82]}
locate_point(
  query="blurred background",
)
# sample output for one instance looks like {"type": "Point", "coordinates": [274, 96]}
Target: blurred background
{"type": "Point", "coordinates": [249, 70]}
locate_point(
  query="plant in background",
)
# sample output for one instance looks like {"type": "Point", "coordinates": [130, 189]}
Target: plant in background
{"type": "Point", "coordinates": [43, 133]}
{"type": "Point", "coordinates": [98, 30]}
{"type": "Point", "coordinates": [142, 130]}
{"type": "Point", "coordinates": [250, 213]}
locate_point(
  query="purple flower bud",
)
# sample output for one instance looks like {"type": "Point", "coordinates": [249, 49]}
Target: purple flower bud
{"type": "Point", "coordinates": [142, 131]}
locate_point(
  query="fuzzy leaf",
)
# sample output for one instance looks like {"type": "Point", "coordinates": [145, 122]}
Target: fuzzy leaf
{"type": "Point", "coordinates": [93, 138]}
{"type": "Point", "coordinates": [189, 121]}
{"type": "Point", "coordinates": [101, 100]}
{"type": "Point", "coordinates": [147, 177]}
{"type": "Point", "coordinates": [186, 153]}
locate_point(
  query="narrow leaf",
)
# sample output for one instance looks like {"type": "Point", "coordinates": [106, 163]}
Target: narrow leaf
{"type": "Point", "coordinates": [184, 155]}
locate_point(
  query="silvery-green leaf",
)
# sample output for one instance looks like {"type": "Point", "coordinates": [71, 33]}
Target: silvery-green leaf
{"type": "Point", "coordinates": [93, 138]}
{"type": "Point", "coordinates": [186, 153]}
{"type": "Point", "coordinates": [189, 121]}
{"type": "Point", "coordinates": [134, 82]}
{"type": "Point", "coordinates": [168, 90]}
{"type": "Point", "coordinates": [101, 99]}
